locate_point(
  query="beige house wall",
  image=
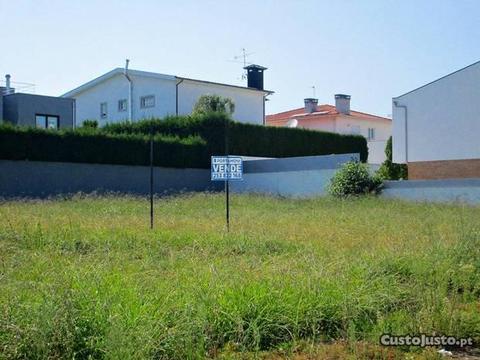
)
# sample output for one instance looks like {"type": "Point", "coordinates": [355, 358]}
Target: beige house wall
{"type": "Point", "coordinates": [349, 124]}
{"type": "Point", "coordinates": [345, 124]}
{"type": "Point", "coordinates": [320, 125]}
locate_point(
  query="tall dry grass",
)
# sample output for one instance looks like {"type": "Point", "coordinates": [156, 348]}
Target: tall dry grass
{"type": "Point", "coordinates": [85, 278]}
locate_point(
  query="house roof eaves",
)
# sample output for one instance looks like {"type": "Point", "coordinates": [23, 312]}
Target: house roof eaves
{"type": "Point", "coordinates": [268, 92]}
{"type": "Point", "coordinates": [112, 73]}
{"type": "Point", "coordinates": [118, 71]}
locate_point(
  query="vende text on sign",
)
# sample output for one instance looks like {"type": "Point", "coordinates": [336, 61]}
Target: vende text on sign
{"type": "Point", "coordinates": [226, 168]}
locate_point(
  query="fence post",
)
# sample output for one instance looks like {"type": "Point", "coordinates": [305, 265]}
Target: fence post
{"type": "Point", "coordinates": [151, 176]}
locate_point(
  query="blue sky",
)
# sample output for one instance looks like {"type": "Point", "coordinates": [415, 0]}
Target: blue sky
{"type": "Point", "coordinates": [371, 49]}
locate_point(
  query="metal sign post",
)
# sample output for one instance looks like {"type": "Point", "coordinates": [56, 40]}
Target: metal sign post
{"type": "Point", "coordinates": [226, 168]}
{"type": "Point", "coordinates": [151, 178]}
{"type": "Point", "coordinates": [227, 204]}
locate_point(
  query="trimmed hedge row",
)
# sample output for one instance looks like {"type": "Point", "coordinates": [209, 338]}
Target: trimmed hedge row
{"type": "Point", "coordinates": [100, 148]}
{"type": "Point", "coordinates": [180, 142]}
{"type": "Point", "coordinates": [248, 139]}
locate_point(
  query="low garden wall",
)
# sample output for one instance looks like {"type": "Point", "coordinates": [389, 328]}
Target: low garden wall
{"type": "Point", "coordinates": [448, 190]}
{"type": "Point", "coordinates": [43, 179]}
{"type": "Point", "coordinates": [297, 176]}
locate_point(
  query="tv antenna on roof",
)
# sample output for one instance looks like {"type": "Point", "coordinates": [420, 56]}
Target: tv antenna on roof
{"type": "Point", "coordinates": [243, 56]}
{"type": "Point", "coordinates": [314, 91]}
{"type": "Point", "coordinates": [242, 59]}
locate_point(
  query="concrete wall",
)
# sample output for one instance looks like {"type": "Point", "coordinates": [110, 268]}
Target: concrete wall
{"type": "Point", "coordinates": [1, 105]}
{"type": "Point", "coordinates": [10, 109]}
{"type": "Point", "coordinates": [42, 179]}
{"type": "Point", "coordinates": [458, 190]}
{"type": "Point", "coordinates": [443, 119]}
{"type": "Point", "coordinates": [296, 177]}
{"type": "Point", "coordinates": [21, 109]}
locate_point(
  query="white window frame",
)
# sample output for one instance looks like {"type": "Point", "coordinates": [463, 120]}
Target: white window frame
{"type": "Point", "coordinates": [103, 114]}
{"type": "Point", "coordinates": [144, 99]}
{"type": "Point", "coordinates": [122, 105]}
{"type": "Point", "coordinates": [371, 133]}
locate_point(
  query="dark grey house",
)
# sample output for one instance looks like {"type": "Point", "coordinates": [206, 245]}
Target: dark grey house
{"type": "Point", "coordinates": [36, 110]}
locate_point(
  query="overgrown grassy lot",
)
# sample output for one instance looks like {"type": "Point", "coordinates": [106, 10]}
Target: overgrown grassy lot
{"type": "Point", "coordinates": [86, 278]}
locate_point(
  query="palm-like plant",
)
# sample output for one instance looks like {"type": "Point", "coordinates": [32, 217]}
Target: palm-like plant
{"type": "Point", "coordinates": [214, 103]}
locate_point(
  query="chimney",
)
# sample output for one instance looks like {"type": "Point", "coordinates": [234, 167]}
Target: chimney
{"type": "Point", "coordinates": [342, 103]}
{"type": "Point", "coordinates": [310, 105]}
{"type": "Point", "coordinates": [255, 76]}
{"type": "Point", "coordinates": [7, 84]}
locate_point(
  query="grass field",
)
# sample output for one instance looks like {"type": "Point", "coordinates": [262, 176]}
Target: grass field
{"type": "Point", "coordinates": [85, 278]}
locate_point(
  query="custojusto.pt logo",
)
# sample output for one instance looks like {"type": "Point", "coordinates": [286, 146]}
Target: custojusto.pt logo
{"type": "Point", "coordinates": [423, 340]}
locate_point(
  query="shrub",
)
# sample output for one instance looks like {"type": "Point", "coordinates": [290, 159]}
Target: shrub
{"type": "Point", "coordinates": [90, 124]}
{"type": "Point", "coordinates": [186, 141]}
{"type": "Point", "coordinates": [353, 178]}
{"type": "Point", "coordinates": [249, 139]}
{"type": "Point", "coordinates": [390, 170]}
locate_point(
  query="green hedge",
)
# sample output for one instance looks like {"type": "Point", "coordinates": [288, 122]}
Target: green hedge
{"type": "Point", "coordinates": [100, 148]}
{"type": "Point", "coordinates": [390, 170]}
{"type": "Point", "coordinates": [248, 139]}
{"type": "Point", "coordinates": [179, 142]}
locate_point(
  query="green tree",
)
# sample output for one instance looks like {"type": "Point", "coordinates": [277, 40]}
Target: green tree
{"type": "Point", "coordinates": [214, 103]}
{"type": "Point", "coordinates": [390, 170]}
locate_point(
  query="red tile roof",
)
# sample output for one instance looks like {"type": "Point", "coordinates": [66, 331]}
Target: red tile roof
{"type": "Point", "coordinates": [323, 112]}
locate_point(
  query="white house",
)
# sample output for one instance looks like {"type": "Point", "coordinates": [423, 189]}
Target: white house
{"type": "Point", "coordinates": [340, 119]}
{"type": "Point", "coordinates": [436, 128]}
{"type": "Point", "coordinates": [124, 94]}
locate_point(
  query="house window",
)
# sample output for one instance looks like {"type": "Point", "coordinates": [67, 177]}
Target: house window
{"type": "Point", "coordinates": [47, 121]}
{"type": "Point", "coordinates": [103, 110]}
{"type": "Point", "coordinates": [40, 121]}
{"type": "Point", "coordinates": [122, 105]}
{"type": "Point", "coordinates": [355, 129]}
{"type": "Point", "coordinates": [147, 101]}
{"type": "Point", "coordinates": [52, 122]}
{"type": "Point", "coordinates": [371, 133]}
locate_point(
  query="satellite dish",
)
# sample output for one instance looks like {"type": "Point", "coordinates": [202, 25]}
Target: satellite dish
{"type": "Point", "coordinates": [293, 123]}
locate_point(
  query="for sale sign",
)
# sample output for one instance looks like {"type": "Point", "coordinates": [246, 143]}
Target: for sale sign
{"type": "Point", "coordinates": [226, 168]}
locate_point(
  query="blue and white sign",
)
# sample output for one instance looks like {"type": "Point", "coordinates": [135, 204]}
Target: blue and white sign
{"type": "Point", "coordinates": [226, 168]}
